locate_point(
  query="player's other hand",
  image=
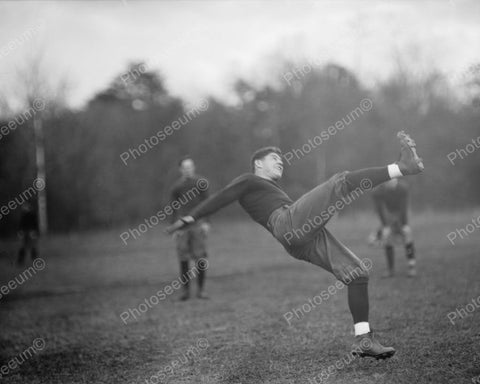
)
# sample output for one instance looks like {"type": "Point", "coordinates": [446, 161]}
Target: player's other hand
{"type": "Point", "coordinates": [205, 228]}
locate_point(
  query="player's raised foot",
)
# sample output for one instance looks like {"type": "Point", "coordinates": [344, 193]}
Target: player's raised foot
{"type": "Point", "coordinates": [202, 295]}
{"type": "Point", "coordinates": [367, 346]}
{"type": "Point", "coordinates": [409, 162]}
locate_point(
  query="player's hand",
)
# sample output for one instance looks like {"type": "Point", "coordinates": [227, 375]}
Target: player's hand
{"type": "Point", "coordinates": [205, 228]}
{"type": "Point", "coordinates": [177, 225]}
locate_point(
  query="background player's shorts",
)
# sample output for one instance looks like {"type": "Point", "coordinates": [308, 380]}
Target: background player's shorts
{"type": "Point", "coordinates": [300, 228]}
{"type": "Point", "coordinates": [191, 243]}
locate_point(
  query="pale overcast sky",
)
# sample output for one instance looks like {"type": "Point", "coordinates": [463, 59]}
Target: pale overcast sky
{"type": "Point", "coordinates": [200, 47]}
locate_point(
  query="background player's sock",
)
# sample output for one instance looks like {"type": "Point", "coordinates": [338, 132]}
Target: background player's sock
{"type": "Point", "coordinates": [361, 328]}
{"type": "Point", "coordinates": [410, 251]}
{"type": "Point", "coordinates": [390, 255]}
{"type": "Point", "coordinates": [201, 275]}
{"type": "Point", "coordinates": [358, 304]}
{"type": "Point", "coordinates": [373, 176]}
{"type": "Point", "coordinates": [184, 277]}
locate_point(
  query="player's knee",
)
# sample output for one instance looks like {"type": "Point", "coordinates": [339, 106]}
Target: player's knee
{"type": "Point", "coordinates": [407, 233]}
{"type": "Point", "coordinates": [359, 275]}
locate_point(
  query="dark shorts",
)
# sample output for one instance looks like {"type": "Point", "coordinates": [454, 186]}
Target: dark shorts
{"type": "Point", "coordinates": [191, 243]}
{"type": "Point", "coordinates": [300, 228]}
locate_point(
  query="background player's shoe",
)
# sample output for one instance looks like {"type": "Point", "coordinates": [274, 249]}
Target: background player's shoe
{"type": "Point", "coordinates": [202, 295]}
{"type": "Point", "coordinates": [367, 346]}
{"type": "Point", "coordinates": [185, 295]}
{"type": "Point", "coordinates": [409, 163]}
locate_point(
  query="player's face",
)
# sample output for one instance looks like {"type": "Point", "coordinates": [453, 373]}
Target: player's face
{"type": "Point", "coordinates": [272, 165]}
{"type": "Point", "coordinates": [187, 168]}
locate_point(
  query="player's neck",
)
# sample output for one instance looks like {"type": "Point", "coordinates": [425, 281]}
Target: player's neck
{"type": "Point", "coordinates": [263, 176]}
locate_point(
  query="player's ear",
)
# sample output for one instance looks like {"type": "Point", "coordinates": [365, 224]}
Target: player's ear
{"type": "Point", "coordinates": [258, 163]}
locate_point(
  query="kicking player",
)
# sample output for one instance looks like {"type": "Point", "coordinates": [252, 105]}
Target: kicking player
{"type": "Point", "coordinates": [190, 242]}
{"type": "Point", "coordinates": [391, 205]}
{"type": "Point", "coordinates": [300, 225]}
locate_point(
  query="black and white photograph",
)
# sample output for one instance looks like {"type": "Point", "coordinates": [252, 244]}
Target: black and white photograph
{"type": "Point", "coordinates": [239, 191]}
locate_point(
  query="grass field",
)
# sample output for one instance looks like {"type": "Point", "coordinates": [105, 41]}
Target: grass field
{"type": "Point", "coordinates": [70, 311]}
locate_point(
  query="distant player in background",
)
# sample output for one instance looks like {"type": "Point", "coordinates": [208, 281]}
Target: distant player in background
{"type": "Point", "coordinates": [391, 205]}
{"type": "Point", "coordinates": [28, 234]}
{"type": "Point", "coordinates": [191, 241]}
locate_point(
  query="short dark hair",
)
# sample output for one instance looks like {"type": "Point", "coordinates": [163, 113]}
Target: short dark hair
{"type": "Point", "coordinates": [183, 158]}
{"type": "Point", "coordinates": [262, 152]}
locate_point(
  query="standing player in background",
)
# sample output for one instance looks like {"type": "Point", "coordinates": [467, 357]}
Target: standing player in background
{"type": "Point", "coordinates": [28, 234]}
{"type": "Point", "coordinates": [391, 205]}
{"type": "Point", "coordinates": [191, 241]}
{"type": "Point", "coordinates": [300, 225]}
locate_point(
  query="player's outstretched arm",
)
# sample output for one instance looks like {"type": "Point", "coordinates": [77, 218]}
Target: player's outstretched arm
{"type": "Point", "coordinates": [222, 198]}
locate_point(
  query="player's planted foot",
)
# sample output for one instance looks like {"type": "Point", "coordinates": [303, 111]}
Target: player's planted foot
{"type": "Point", "coordinates": [409, 163]}
{"type": "Point", "coordinates": [367, 346]}
{"type": "Point", "coordinates": [185, 296]}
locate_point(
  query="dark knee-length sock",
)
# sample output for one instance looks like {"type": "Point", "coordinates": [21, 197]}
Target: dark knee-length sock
{"type": "Point", "coordinates": [374, 177]}
{"type": "Point", "coordinates": [184, 274]}
{"type": "Point", "coordinates": [390, 254]}
{"type": "Point", "coordinates": [201, 274]}
{"type": "Point", "coordinates": [358, 299]}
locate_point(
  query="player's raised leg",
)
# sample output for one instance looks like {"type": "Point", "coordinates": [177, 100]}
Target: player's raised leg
{"type": "Point", "coordinates": [313, 210]}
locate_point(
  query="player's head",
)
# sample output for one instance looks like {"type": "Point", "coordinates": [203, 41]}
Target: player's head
{"type": "Point", "coordinates": [267, 162]}
{"type": "Point", "coordinates": [187, 166]}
